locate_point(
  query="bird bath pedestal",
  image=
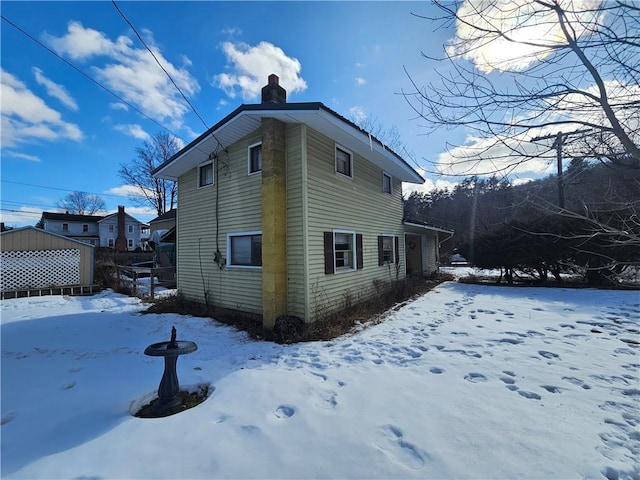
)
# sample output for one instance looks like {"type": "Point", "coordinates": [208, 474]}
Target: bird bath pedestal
{"type": "Point", "coordinates": [169, 390]}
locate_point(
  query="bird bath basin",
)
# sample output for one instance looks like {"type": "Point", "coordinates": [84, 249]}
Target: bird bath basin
{"type": "Point", "coordinates": [169, 390]}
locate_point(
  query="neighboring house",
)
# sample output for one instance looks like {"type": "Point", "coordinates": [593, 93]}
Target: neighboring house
{"type": "Point", "coordinates": [34, 260]}
{"type": "Point", "coordinates": [166, 221]}
{"type": "Point", "coordinates": [290, 209]}
{"type": "Point", "coordinates": [97, 230]}
{"type": "Point", "coordinates": [83, 228]}
{"type": "Point", "coordinates": [122, 232]}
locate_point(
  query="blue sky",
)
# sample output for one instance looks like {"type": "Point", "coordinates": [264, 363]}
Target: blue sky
{"type": "Point", "coordinates": [62, 132]}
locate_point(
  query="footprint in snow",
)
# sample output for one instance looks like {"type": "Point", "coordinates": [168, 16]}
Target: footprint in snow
{"type": "Point", "coordinates": [436, 370]}
{"type": "Point", "coordinates": [551, 388]}
{"type": "Point", "coordinates": [508, 380]}
{"type": "Point", "coordinates": [475, 377]}
{"type": "Point", "coordinates": [549, 355]}
{"type": "Point", "coordinates": [284, 411]}
{"type": "Point", "coordinates": [578, 382]}
{"type": "Point", "coordinates": [530, 395]}
{"type": "Point", "coordinates": [391, 441]}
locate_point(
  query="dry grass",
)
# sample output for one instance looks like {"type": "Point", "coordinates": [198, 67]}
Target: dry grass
{"type": "Point", "coordinates": [291, 330]}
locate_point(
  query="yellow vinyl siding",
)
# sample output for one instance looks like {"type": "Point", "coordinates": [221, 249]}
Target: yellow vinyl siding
{"type": "Point", "coordinates": [356, 204]}
{"type": "Point", "coordinates": [295, 222]}
{"type": "Point", "coordinates": [239, 210]}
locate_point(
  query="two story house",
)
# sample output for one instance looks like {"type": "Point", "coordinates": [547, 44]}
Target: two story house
{"type": "Point", "coordinates": [119, 230]}
{"type": "Point", "coordinates": [288, 209]}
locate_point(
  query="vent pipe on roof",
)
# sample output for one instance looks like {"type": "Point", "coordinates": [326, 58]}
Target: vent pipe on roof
{"type": "Point", "coordinates": [272, 92]}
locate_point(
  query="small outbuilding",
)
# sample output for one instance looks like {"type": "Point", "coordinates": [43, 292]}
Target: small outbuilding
{"type": "Point", "coordinates": [36, 262]}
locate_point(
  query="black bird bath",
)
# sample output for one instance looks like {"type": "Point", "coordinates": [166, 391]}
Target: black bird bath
{"type": "Point", "coordinates": [169, 390]}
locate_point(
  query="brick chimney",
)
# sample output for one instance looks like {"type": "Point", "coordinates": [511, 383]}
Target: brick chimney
{"type": "Point", "coordinates": [121, 239]}
{"type": "Point", "coordinates": [273, 92]}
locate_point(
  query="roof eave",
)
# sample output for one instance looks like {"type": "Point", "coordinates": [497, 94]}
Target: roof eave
{"type": "Point", "coordinates": [246, 117]}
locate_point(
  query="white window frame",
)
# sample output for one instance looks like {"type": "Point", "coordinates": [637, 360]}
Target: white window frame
{"type": "Point", "coordinates": [111, 228]}
{"type": "Point", "coordinates": [385, 175]}
{"type": "Point", "coordinates": [200, 180]}
{"type": "Point", "coordinates": [348, 152]}
{"type": "Point", "coordinates": [65, 227]}
{"type": "Point", "coordinates": [354, 254]}
{"type": "Point", "coordinates": [230, 253]}
{"type": "Point", "coordinates": [392, 261]}
{"type": "Point", "coordinates": [249, 148]}
{"type": "Point", "coordinates": [130, 228]}
{"type": "Point", "coordinates": [111, 242]}
{"type": "Point", "coordinates": [85, 227]}
{"type": "Point", "coordinates": [130, 243]}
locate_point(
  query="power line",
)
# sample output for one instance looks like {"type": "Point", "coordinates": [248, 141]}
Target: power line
{"type": "Point", "coordinates": [166, 72]}
{"type": "Point", "coordinates": [70, 190]}
{"type": "Point", "coordinates": [86, 75]}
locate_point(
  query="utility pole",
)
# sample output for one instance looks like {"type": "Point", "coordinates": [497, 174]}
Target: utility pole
{"type": "Point", "coordinates": [557, 144]}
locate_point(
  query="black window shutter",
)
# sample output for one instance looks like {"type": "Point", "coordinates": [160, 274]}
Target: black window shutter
{"type": "Point", "coordinates": [359, 251]}
{"type": "Point", "coordinates": [397, 240]}
{"type": "Point", "coordinates": [328, 253]}
{"type": "Point", "coordinates": [380, 251]}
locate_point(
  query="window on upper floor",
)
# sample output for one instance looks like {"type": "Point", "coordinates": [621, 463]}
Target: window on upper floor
{"type": "Point", "coordinates": [65, 227]}
{"type": "Point", "coordinates": [342, 251]}
{"type": "Point", "coordinates": [111, 228]}
{"type": "Point", "coordinates": [244, 249]}
{"type": "Point", "coordinates": [255, 158]}
{"type": "Point", "coordinates": [344, 161]}
{"type": "Point", "coordinates": [85, 227]}
{"type": "Point", "coordinates": [205, 174]}
{"type": "Point", "coordinates": [386, 183]}
{"type": "Point", "coordinates": [130, 228]}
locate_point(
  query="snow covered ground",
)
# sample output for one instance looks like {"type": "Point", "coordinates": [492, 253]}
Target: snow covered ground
{"type": "Point", "coordinates": [467, 381]}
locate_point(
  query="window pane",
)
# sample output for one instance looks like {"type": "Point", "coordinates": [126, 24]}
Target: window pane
{"type": "Point", "coordinates": [387, 249]}
{"type": "Point", "coordinates": [343, 247]}
{"type": "Point", "coordinates": [255, 159]}
{"type": "Point", "coordinates": [386, 183]}
{"type": "Point", "coordinates": [246, 250]}
{"type": "Point", "coordinates": [343, 162]}
{"type": "Point", "coordinates": [206, 174]}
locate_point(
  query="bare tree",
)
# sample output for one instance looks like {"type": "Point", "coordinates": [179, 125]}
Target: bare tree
{"type": "Point", "coordinates": [82, 203]}
{"type": "Point", "coordinates": [521, 69]}
{"type": "Point", "coordinates": [159, 193]}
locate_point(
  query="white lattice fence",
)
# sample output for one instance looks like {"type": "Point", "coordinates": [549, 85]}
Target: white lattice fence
{"type": "Point", "coordinates": [25, 270]}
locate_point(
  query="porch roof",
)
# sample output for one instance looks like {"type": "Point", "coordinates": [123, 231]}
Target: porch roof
{"type": "Point", "coordinates": [417, 226]}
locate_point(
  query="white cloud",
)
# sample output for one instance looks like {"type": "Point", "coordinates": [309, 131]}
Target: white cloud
{"type": "Point", "coordinates": [24, 156]}
{"type": "Point", "coordinates": [231, 31]}
{"type": "Point", "coordinates": [124, 191]}
{"type": "Point", "coordinates": [133, 130]}
{"type": "Point", "coordinates": [55, 90]}
{"type": "Point", "coordinates": [358, 114]}
{"type": "Point", "coordinates": [251, 65]}
{"type": "Point", "coordinates": [118, 106]}
{"type": "Point", "coordinates": [27, 118]}
{"type": "Point", "coordinates": [360, 81]}
{"type": "Point", "coordinates": [21, 217]}
{"type": "Point", "coordinates": [521, 20]}
{"type": "Point", "coordinates": [428, 186]}
{"type": "Point", "coordinates": [130, 72]}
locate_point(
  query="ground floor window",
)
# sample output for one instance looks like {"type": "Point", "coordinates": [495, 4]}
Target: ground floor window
{"type": "Point", "coordinates": [244, 249]}
{"type": "Point", "coordinates": [130, 243]}
{"type": "Point", "coordinates": [388, 250]}
{"type": "Point", "coordinates": [342, 251]}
